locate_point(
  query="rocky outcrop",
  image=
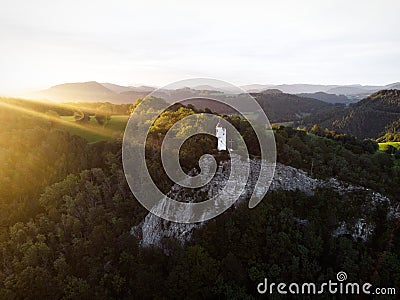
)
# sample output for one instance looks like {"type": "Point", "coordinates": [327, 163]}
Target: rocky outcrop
{"type": "Point", "coordinates": [154, 229]}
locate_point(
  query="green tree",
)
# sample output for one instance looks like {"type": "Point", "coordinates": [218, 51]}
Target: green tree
{"type": "Point", "coordinates": [103, 114]}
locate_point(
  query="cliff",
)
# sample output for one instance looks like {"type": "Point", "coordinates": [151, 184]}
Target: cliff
{"type": "Point", "coordinates": [154, 229]}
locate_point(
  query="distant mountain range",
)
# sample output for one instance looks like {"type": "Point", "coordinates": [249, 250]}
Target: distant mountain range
{"type": "Point", "coordinates": [121, 89]}
{"type": "Point", "coordinates": [348, 90]}
{"type": "Point", "coordinates": [368, 118]}
{"type": "Point", "coordinates": [93, 91]}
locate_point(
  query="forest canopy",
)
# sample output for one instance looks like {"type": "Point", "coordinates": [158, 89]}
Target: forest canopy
{"type": "Point", "coordinates": [67, 214]}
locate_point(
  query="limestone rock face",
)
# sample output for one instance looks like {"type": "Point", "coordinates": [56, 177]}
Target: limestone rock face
{"type": "Point", "coordinates": [154, 229]}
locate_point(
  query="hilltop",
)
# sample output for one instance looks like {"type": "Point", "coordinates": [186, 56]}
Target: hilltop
{"type": "Point", "coordinates": [281, 107]}
{"type": "Point", "coordinates": [368, 118]}
{"type": "Point", "coordinates": [91, 91]}
{"type": "Point", "coordinates": [326, 97]}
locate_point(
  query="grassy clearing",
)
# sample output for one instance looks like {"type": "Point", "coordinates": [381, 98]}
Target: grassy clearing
{"type": "Point", "coordinates": [93, 132]}
{"type": "Point", "coordinates": [286, 124]}
{"type": "Point", "coordinates": [384, 146]}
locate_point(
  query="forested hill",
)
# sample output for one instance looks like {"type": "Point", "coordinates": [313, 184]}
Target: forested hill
{"type": "Point", "coordinates": [369, 118]}
{"type": "Point", "coordinates": [385, 100]}
{"type": "Point", "coordinates": [330, 98]}
{"type": "Point", "coordinates": [281, 107]}
{"type": "Point", "coordinates": [91, 91]}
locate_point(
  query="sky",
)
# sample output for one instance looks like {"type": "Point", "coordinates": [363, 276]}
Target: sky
{"type": "Point", "coordinates": [47, 42]}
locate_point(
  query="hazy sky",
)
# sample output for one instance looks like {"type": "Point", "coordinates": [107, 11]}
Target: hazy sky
{"type": "Point", "coordinates": [155, 42]}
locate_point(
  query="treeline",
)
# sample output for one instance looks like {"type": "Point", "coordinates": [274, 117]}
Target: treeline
{"type": "Point", "coordinates": [66, 109]}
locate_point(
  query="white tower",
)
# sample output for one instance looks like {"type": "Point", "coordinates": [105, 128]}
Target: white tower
{"type": "Point", "coordinates": [221, 135]}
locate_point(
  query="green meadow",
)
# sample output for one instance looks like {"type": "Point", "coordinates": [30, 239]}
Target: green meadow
{"type": "Point", "coordinates": [92, 131]}
{"type": "Point", "coordinates": [384, 146]}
